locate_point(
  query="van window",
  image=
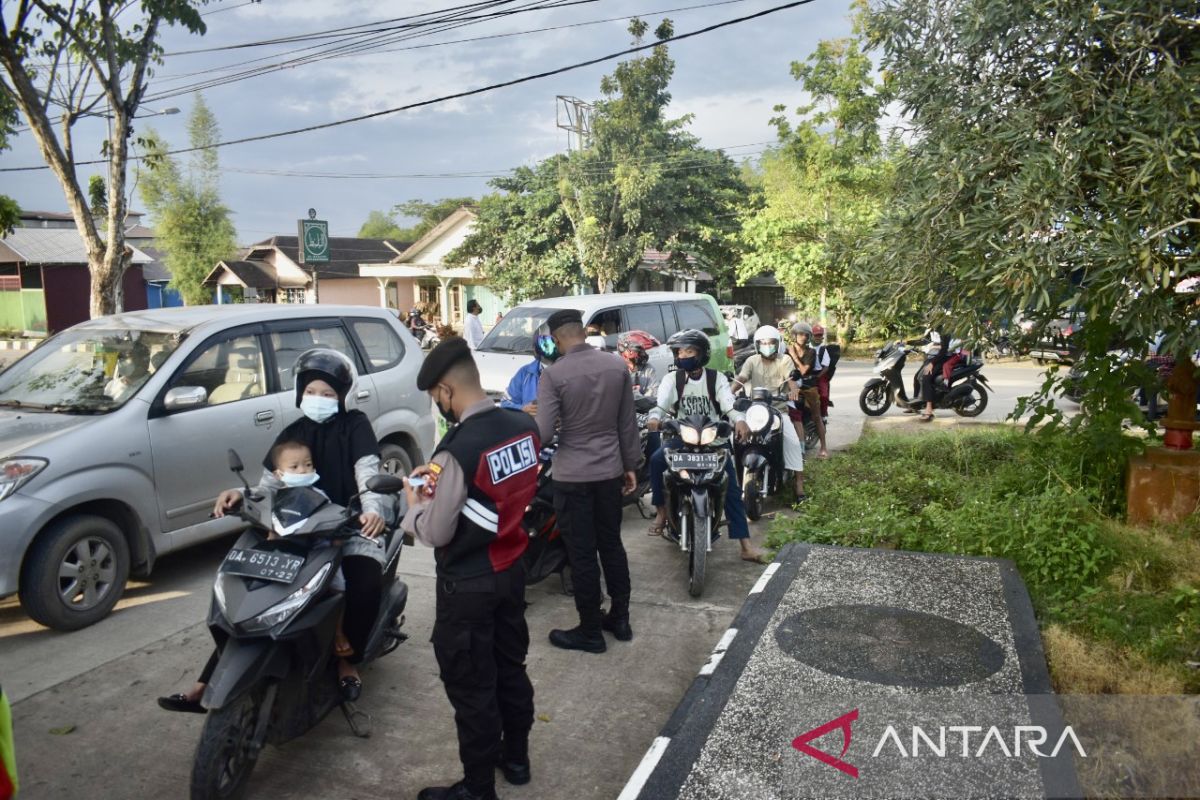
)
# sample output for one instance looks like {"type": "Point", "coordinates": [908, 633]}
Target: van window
{"type": "Point", "coordinates": [609, 323]}
{"type": "Point", "coordinates": [383, 347]}
{"type": "Point", "coordinates": [697, 314]}
{"type": "Point", "coordinates": [288, 346]}
{"type": "Point", "coordinates": [647, 318]}
{"type": "Point", "coordinates": [228, 369]}
{"type": "Point", "coordinates": [514, 333]}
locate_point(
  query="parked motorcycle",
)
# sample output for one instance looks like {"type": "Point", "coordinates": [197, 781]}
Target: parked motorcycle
{"type": "Point", "coordinates": [642, 407]}
{"type": "Point", "coordinates": [274, 620]}
{"type": "Point", "coordinates": [966, 392]}
{"type": "Point", "coordinates": [760, 458]}
{"type": "Point", "coordinates": [695, 483]}
{"type": "Point", "coordinates": [546, 553]}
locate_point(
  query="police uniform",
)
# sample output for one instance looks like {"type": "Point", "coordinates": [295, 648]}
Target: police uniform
{"type": "Point", "coordinates": [486, 475]}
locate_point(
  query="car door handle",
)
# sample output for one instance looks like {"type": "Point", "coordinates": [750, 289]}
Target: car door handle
{"type": "Point", "coordinates": [263, 417]}
{"type": "Point", "coordinates": [363, 395]}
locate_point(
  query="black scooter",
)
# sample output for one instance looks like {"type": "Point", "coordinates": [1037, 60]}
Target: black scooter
{"type": "Point", "coordinates": [546, 553]}
{"type": "Point", "coordinates": [695, 483]}
{"type": "Point", "coordinates": [273, 619]}
{"type": "Point", "coordinates": [760, 458]}
{"type": "Point", "coordinates": [642, 407]}
{"type": "Point", "coordinates": [965, 393]}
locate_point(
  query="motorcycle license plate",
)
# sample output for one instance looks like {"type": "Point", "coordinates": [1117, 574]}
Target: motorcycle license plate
{"type": "Point", "coordinates": [697, 461]}
{"type": "Point", "coordinates": [262, 564]}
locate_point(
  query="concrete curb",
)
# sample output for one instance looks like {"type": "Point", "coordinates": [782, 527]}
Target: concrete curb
{"type": "Point", "coordinates": [19, 344]}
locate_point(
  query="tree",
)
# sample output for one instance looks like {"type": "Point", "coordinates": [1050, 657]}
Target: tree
{"type": "Point", "coordinates": [380, 225]}
{"type": "Point", "coordinates": [826, 183]}
{"type": "Point", "coordinates": [97, 196]}
{"type": "Point", "coordinates": [10, 212]}
{"type": "Point", "coordinates": [90, 58]}
{"type": "Point", "coordinates": [191, 226]}
{"type": "Point", "coordinates": [1054, 168]}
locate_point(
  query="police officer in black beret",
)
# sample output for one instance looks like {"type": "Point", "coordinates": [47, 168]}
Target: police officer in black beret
{"type": "Point", "coordinates": [470, 509]}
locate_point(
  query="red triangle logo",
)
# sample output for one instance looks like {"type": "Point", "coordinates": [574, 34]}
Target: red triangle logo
{"type": "Point", "coordinates": [801, 743]}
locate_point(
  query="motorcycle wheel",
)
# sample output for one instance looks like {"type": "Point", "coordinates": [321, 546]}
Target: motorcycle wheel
{"type": "Point", "coordinates": [752, 499]}
{"type": "Point", "coordinates": [698, 553]}
{"type": "Point", "coordinates": [875, 400]}
{"type": "Point", "coordinates": [811, 437]}
{"type": "Point", "coordinates": [973, 404]}
{"type": "Point", "coordinates": [227, 752]}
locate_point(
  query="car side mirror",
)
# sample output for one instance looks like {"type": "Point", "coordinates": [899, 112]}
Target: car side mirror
{"type": "Point", "coordinates": [385, 484]}
{"type": "Point", "coordinates": [181, 398]}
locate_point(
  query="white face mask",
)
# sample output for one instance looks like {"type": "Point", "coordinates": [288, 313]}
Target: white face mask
{"type": "Point", "coordinates": [767, 350]}
{"type": "Point", "coordinates": [318, 408]}
{"type": "Point", "coordinates": [294, 480]}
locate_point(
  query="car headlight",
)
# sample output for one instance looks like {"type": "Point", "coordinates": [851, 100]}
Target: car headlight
{"type": "Point", "coordinates": [14, 472]}
{"type": "Point", "coordinates": [689, 434]}
{"type": "Point", "coordinates": [289, 606]}
{"type": "Point", "coordinates": [758, 417]}
{"type": "Point", "coordinates": [708, 435]}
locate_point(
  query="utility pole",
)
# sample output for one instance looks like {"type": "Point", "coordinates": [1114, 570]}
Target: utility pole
{"type": "Point", "coordinates": [575, 117]}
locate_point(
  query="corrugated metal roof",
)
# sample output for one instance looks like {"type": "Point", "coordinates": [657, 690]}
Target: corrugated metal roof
{"type": "Point", "coordinates": [56, 246]}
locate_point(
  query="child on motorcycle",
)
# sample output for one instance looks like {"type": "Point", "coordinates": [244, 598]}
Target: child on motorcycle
{"type": "Point", "coordinates": [805, 357]}
{"type": "Point", "coordinates": [692, 349]}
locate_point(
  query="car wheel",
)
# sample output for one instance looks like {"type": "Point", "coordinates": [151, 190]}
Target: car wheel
{"type": "Point", "coordinates": [395, 460]}
{"type": "Point", "coordinates": [75, 572]}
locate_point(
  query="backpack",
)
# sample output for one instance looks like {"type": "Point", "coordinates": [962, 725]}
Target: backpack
{"type": "Point", "coordinates": [681, 379]}
{"type": "Point", "coordinates": [835, 353]}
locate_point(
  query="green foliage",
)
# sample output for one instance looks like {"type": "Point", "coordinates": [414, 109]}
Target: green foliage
{"type": "Point", "coordinates": [1055, 165]}
{"type": "Point", "coordinates": [826, 183]}
{"type": "Point", "coordinates": [97, 195]}
{"type": "Point", "coordinates": [1038, 500]}
{"type": "Point", "coordinates": [381, 225]}
{"type": "Point", "coordinates": [10, 212]}
{"type": "Point", "coordinates": [191, 225]}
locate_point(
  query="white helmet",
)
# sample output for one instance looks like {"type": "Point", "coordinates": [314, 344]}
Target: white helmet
{"type": "Point", "coordinates": [768, 332]}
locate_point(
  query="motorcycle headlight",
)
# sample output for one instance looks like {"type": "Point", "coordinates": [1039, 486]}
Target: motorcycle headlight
{"type": "Point", "coordinates": [758, 417]}
{"type": "Point", "coordinates": [689, 434]}
{"type": "Point", "coordinates": [290, 605]}
{"type": "Point", "coordinates": [15, 472]}
{"type": "Point", "coordinates": [708, 435]}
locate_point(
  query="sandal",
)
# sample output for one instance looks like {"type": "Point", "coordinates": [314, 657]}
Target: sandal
{"type": "Point", "coordinates": [925, 417]}
{"type": "Point", "coordinates": [179, 702]}
{"type": "Point", "coordinates": [656, 529]}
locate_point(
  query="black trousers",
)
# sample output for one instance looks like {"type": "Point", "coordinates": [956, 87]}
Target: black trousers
{"type": "Point", "coordinates": [589, 516]}
{"type": "Point", "coordinates": [480, 640]}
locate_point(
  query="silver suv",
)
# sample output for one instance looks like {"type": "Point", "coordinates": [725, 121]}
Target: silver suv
{"type": "Point", "coordinates": [114, 434]}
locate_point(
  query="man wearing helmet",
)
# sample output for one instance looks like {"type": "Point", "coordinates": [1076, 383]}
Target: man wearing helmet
{"type": "Point", "coordinates": [522, 390]}
{"type": "Point", "coordinates": [770, 368]}
{"type": "Point", "coordinates": [805, 357]}
{"type": "Point", "coordinates": [633, 347]}
{"type": "Point", "coordinates": [697, 390]}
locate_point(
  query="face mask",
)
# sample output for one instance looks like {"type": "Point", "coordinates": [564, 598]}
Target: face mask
{"type": "Point", "coordinates": [690, 364]}
{"type": "Point", "coordinates": [447, 413]}
{"type": "Point", "coordinates": [294, 480]}
{"type": "Point", "coordinates": [767, 350]}
{"type": "Point", "coordinates": [317, 408]}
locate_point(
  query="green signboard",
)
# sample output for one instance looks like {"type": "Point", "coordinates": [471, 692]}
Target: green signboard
{"type": "Point", "coordinates": [314, 241]}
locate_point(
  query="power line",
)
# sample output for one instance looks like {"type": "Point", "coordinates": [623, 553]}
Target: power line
{"type": "Point", "coordinates": [462, 94]}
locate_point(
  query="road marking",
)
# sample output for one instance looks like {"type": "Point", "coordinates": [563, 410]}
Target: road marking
{"type": "Point", "coordinates": [642, 774]}
{"type": "Point", "coordinates": [719, 652]}
{"type": "Point", "coordinates": [766, 576]}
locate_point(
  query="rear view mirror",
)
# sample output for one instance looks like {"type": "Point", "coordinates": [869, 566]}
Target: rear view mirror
{"type": "Point", "coordinates": [385, 484]}
{"type": "Point", "coordinates": [644, 405]}
{"type": "Point", "coordinates": [724, 429]}
{"type": "Point", "coordinates": [184, 397]}
{"type": "Point", "coordinates": [671, 426]}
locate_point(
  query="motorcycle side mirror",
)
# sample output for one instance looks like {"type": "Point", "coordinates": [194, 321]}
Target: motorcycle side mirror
{"type": "Point", "coordinates": [236, 466]}
{"type": "Point", "coordinates": [724, 429]}
{"type": "Point", "coordinates": [385, 484]}
{"type": "Point", "coordinates": [671, 426]}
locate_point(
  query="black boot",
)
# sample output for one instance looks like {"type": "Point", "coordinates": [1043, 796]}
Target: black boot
{"type": "Point", "coordinates": [458, 791]}
{"type": "Point", "coordinates": [514, 759]}
{"type": "Point", "coordinates": [616, 620]}
{"type": "Point", "coordinates": [588, 640]}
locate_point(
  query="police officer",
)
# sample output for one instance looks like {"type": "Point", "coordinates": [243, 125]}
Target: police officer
{"type": "Point", "coordinates": [470, 508]}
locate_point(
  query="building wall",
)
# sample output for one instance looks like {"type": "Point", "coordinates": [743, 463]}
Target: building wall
{"type": "Point", "coordinates": [434, 255]}
{"type": "Point", "coordinates": [349, 292]}
{"type": "Point", "coordinates": [68, 294]}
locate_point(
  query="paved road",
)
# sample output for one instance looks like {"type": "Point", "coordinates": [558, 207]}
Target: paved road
{"type": "Point", "coordinates": [600, 712]}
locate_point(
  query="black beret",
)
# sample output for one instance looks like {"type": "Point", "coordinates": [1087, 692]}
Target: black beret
{"type": "Point", "coordinates": [564, 317]}
{"type": "Point", "coordinates": [441, 358]}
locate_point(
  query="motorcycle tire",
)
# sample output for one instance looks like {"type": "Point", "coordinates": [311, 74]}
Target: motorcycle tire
{"type": "Point", "coordinates": [811, 437]}
{"type": "Point", "coordinates": [973, 404]}
{"type": "Point", "coordinates": [753, 500]}
{"type": "Point", "coordinates": [698, 553]}
{"type": "Point", "coordinates": [226, 754]}
{"type": "Point", "coordinates": [875, 400]}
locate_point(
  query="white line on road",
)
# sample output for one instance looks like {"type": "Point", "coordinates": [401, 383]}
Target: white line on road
{"type": "Point", "coordinates": [642, 774]}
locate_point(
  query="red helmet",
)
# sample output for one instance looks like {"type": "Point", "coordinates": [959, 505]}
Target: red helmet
{"type": "Point", "coordinates": [638, 337]}
{"type": "Point", "coordinates": [818, 331]}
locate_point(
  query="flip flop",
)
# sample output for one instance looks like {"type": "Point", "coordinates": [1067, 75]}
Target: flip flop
{"type": "Point", "coordinates": [925, 418]}
{"type": "Point", "coordinates": [655, 529]}
{"type": "Point", "coordinates": [179, 702]}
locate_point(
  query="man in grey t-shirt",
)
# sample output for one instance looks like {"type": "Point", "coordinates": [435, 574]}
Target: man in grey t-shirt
{"type": "Point", "coordinates": [587, 397]}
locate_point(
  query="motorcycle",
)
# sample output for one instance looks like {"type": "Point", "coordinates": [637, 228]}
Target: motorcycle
{"type": "Point", "coordinates": [546, 553]}
{"type": "Point", "coordinates": [273, 619]}
{"type": "Point", "coordinates": [695, 483]}
{"type": "Point", "coordinates": [966, 391]}
{"type": "Point", "coordinates": [642, 407]}
{"type": "Point", "coordinates": [759, 460]}
{"type": "Point", "coordinates": [429, 338]}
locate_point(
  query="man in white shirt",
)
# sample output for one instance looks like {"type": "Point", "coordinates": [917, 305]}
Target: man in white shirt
{"type": "Point", "coordinates": [473, 329]}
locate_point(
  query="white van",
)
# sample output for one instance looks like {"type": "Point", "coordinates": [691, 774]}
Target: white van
{"type": "Point", "coordinates": [509, 345]}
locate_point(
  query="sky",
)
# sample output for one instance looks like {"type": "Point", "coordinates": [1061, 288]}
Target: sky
{"type": "Point", "coordinates": [729, 80]}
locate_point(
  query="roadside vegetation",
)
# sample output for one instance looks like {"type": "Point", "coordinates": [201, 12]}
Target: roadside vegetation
{"type": "Point", "coordinates": [1119, 607]}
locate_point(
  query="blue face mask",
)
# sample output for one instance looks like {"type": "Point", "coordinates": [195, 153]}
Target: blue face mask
{"type": "Point", "coordinates": [317, 408]}
{"type": "Point", "coordinates": [295, 480]}
{"type": "Point", "coordinates": [690, 364]}
{"type": "Point", "coordinates": [767, 350]}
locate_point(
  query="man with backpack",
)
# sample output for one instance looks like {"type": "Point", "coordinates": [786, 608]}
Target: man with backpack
{"type": "Point", "coordinates": [695, 389]}
{"type": "Point", "coordinates": [827, 358]}
{"type": "Point", "coordinates": [804, 356]}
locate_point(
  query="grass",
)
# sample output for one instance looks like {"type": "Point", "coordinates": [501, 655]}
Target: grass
{"type": "Point", "coordinates": [1119, 606]}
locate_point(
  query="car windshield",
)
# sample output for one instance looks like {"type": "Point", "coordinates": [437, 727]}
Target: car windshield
{"type": "Point", "coordinates": [514, 333]}
{"type": "Point", "coordinates": [86, 371]}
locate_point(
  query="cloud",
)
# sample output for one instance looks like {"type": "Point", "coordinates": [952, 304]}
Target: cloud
{"type": "Point", "coordinates": [726, 119]}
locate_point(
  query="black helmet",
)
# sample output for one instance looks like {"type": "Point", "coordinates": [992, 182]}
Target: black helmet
{"type": "Point", "coordinates": [415, 312]}
{"type": "Point", "coordinates": [691, 338]}
{"type": "Point", "coordinates": [327, 365]}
